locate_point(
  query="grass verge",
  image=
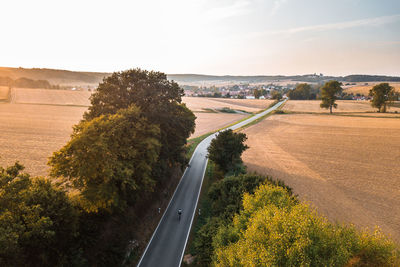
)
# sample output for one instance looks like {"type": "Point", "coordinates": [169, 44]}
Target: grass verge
{"type": "Point", "coordinates": [204, 206]}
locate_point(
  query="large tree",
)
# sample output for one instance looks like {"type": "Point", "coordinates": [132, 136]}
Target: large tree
{"type": "Point", "coordinates": [38, 223]}
{"type": "Point", "coordinates": [109, 159]}
{"type": "Point", "coordinates": [226, 150]}
{"type": "Point", "coordinates": [329, 94]}
{"type": "Point", "coordinates": [301, 92]}
{"type": "Point", "coordinates": [383, 95]}
{"type": "Point", "coordinates": [160, 102]}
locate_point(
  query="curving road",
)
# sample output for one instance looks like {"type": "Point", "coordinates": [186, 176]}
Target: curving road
{"type": "Point", "coordinates": [167, 245]}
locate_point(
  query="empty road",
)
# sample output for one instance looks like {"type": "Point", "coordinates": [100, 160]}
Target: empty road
{"type": "Point", "coordinates": [167, 245]}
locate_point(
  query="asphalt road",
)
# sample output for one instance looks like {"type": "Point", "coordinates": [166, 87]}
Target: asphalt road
{"type": "Point", "coordinates": [167, 245]}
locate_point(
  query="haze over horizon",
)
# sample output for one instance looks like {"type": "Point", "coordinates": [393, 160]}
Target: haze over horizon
{"type": "Point", "coordinates": [231, 37]}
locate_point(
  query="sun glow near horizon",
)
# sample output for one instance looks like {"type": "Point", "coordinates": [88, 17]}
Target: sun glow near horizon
{"type": "Point", "coordinates": [238, 37]}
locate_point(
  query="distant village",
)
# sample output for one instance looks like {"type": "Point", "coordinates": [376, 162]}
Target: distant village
{"type": "Point", "coordinates": [240, 91]}
{"type": "Point", "coordinates": [257, 91]}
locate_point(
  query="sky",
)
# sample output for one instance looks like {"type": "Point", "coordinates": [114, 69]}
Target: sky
{"type": "Point", "coordinates": [218, 37]}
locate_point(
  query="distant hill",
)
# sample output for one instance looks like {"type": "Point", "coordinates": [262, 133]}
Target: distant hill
{"type": "Point", "coordinates": [78, 78]}
{"type": "Point", "coordinates": [55, 77]}
{"type": "Point", "coordinates": [195, 78]}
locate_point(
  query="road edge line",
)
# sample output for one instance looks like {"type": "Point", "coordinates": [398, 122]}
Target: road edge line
{"type": "Point", "coordinates": [194, 212]}
{"type": "Point", "coordinates": [152, 236]}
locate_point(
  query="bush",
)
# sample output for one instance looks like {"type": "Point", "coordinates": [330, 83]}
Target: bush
{"type": "Point", "coordinates": [275, 230]}
{"type": "Point", "coordinates": [38, 224]}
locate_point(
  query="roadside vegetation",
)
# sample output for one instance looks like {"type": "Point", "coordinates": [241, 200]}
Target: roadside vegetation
{"type": "Point", "coordinates": [252, 220]}
{"type": "Point", "coordinates": [119, 160]}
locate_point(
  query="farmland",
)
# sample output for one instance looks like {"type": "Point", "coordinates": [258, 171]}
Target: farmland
{"type": "Point", "coordinates": [30, 133]}
{"type": "Point", "coordinates": [50, 97]}
{"type": "Point", "coordinates": [3, 93]}
{"type": "Point", "coordinates": [344, 106]}
{"type": "Point", "coordinates": [39, 121]}
{"type": "Point", "coordinates": [247, 105]}
{"type": "Point", "coordinates": [347, 167]}
{"type": "Point", "coordinates": [363, 89]}
{"type": "Point", "coordinates": [207, 122]}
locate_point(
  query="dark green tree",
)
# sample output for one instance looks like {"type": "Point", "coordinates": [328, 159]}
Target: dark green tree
{"type": "Point", "coordinates": [329, 94]}
{"type": "Point", "coordinates": [160, 102]}
{"type": "Point", "coordinates": [257, 93]}
{"type": "Point", "coordinates": [301, 92]}
{"type": "Point", "coordinates": [109, 159]}
{"type": "Point", "coordinates": [226, 150]}
{"type": "Point", "coordinates": [276, 95]}
{"type": "Point", "coordinates": [38, 224]}
{"type": "Point", "coordinates": [383, 95]}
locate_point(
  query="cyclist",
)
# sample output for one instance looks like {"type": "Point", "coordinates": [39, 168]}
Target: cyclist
{"type": "Point", "coordinates": [179, 214]}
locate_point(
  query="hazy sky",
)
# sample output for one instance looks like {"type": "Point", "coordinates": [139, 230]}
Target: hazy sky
{"type": "Point", "coordinates": [239, 37]}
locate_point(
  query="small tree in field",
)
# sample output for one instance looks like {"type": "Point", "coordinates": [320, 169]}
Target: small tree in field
{"type": "Point", "coordinates": [383, 95]}
{"type": "Point", "coordinates": [329, 93]}
{"type": "Point", "coordinates": [226, 150]}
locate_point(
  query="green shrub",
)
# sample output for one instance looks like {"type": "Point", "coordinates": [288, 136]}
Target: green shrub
{"type": "Point", "coordinates": [273, 229]}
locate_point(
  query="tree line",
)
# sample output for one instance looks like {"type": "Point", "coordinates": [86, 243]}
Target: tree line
{"type": "Point", "coordinates": [383, 95]}
{"type": "Point", "coordinates": [118, 160]}
{"type": "Point", "coordinates": [25, 83]}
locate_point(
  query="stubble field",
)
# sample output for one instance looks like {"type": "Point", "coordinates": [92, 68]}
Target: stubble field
{"type": "Point", "coordinates": [347, 167]}
{"type": "Point", "coordinates": [50, 97]}
{"type": "Point", "coordinates": [344, 106]}
{"type": "Point", "coordinates": [3, 93]}
{"type": "Point", "coordinates": [363, 89]}
{"type": "Point", "coordinates": [247, 105]}
{"type": "Point", "coordinates": [31, 132]}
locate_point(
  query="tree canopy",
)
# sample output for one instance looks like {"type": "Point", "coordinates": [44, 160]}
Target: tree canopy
{"type": "Point", "coordinates": [383, 95]}
{"type": "Point", "coordinates": [276, 95]}
{"type": "Point", "coordinates": [109, 159]}
{"type": "Point", "coordinates": [329, 94]}
{"type": "Point", "coordinates": [226, 150]}
{"type": "Point", "coordinates": [37, 220]}
{"type": "Point", "coordinates": [301, 92]}
{"type": "Point", "coordinates": [160, 102]}
{"type": "Point", "coordinates": [274, 229]}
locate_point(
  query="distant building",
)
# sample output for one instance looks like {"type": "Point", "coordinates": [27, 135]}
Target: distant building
{"type": "Point", "coordinates": [250, 97]}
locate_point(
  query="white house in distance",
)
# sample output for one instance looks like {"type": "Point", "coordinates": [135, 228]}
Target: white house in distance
{"type": "Point", "coordinates": [250, 97]}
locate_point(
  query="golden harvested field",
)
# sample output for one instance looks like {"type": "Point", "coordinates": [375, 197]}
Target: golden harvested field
{"type": "Point", "coordinates": [30, 133]}
{"type": "Point", "coordinates": [207, 122]}
{"type": "Point", "coordinates": [347, 167]}
{"type": "Point", "coordinates": [3, 93]}
{"type": "Point", "coordinates": [364, 89]}
{"type": "Point", "coordinates": [344, 106]}
{"type": "Point", "coordinates": [248, 105]}
{"type": "Point", "coordinates": [50, 97]}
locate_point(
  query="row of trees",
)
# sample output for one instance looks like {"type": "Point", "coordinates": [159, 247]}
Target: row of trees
{"type": "Point", "coordinates": [382, 94]}
{"type": "Point", "coordinates": [24, 83]}
{"type": "Point", "coordinates": [119, 158]}
{"type": "Point", "coordinates": [303, 91]}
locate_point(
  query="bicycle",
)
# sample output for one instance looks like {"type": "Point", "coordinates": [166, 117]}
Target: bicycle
{"type": "Point", "coordinates": [179, 214]}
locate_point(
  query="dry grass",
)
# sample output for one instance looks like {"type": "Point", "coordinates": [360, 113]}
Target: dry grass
{"type": "Point", "coordinates": [207, 122]}
{"type": "Point", "coordinates": [344, 106]}
{"type": "Point", "coordinates": [348, 167]}
{"type": "Point", "coordinates": [364, 89]}
{"type": "Point", "coordinates": [248, 105]}
{"type": "Point", "coordinates": [4, 93]}
{"type": "Point", "coordinates": [51, 97]}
